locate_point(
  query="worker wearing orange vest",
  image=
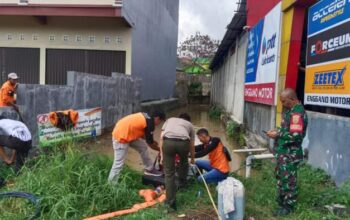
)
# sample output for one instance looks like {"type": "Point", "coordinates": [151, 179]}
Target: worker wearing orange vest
{"type": "Point", "coordinates": [8, 91]}
{"type": "Point", "coordinates": [218, 165]}
{"type": "Point", "coordinates": [130, 131]}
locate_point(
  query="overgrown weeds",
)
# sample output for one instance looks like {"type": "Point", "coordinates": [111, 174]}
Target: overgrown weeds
{"type": "Point", "coordinates": [316, 191]}
{"type": "Point", "coordinates": [195, 89]}
{"type": "Point", "coordinates": [236, 132]}
{"type": "Point", "coordinates": [72, 184]}
{"type": "Point", "coordinates": [215, 112]}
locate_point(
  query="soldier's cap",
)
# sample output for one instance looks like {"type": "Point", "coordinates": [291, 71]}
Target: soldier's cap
{"type": "Point", "coordinates": [12, 76]}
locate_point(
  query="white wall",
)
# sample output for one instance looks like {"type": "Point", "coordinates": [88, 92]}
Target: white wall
{"type": "Point", "coordinates": [228, 82]}
{"type": "Point", "coordinates": [23, 29]}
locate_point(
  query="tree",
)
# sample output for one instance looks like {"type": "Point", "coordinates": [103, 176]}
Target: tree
{"type": "Point", "coordinates": [198, 46]}
{"type": "Point", "coordinates": [197, 52]}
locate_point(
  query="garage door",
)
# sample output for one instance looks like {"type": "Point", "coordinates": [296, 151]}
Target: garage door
{"type": "Point", "coordinates": [59, 61]}
{"type": "Point", "coordinates": [23, 61]}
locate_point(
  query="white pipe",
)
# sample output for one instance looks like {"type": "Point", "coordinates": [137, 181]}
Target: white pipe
{"type": "Point", "coordinates": [250, 158]}
{"type": "Point", "coordinates": [250, 150]}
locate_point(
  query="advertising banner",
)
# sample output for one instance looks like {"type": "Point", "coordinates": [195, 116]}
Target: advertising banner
{"type": "Point", "coordinates": [333, 44]}
{"type": "Point", "coordinates": [253, 50]}
{"type": "Point", "coordinates": [327, 13]}
{"type": "Point", "coordinates": [88, 125]}
{"type": "Point", "coordinates": [327, 81]}
{"type": "Point", "coordinates": [262, 59]}
{"type": "Point", "coordinates": [328, 85]}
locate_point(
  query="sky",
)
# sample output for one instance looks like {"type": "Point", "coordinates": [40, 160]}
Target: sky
{"type": "Point", "coordinates": [207, 16]}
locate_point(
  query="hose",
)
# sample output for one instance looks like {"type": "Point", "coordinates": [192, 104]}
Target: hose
{"type": "Point", "coordinates": [33, 199]}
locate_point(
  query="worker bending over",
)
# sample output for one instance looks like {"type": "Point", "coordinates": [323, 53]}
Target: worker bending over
{"type": "Point", "coordinates": [14, 135]}
{"type": "Point", "coordinates": [130, 131]}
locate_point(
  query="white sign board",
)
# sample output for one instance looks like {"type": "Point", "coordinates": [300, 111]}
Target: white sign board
{"type": "Point", "coordinates": [88, 125]}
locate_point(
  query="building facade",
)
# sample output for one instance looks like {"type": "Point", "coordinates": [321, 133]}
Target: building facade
{"type": "Point", "coordinates": [279, 62]}
{"type": "Point", "coordinates": [42, 40]}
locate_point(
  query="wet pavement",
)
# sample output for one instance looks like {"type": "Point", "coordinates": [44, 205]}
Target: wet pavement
{"type": "Point", "coordinates": [200, 119]}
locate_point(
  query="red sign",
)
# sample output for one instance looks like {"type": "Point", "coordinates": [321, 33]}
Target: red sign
{"type": "Point", "coordinates": [260, 93]}
{"type": "Point", "coordinates": [42, 119]}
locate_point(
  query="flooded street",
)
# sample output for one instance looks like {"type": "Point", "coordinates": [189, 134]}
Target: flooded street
{"type": "Point", "coordinates": [200, 119]}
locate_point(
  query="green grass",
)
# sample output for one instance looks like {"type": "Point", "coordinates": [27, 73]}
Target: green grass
{"type": "Point", "coordinates": [73, 184]}
{"type": "Point", "coordinates": [316, 191]}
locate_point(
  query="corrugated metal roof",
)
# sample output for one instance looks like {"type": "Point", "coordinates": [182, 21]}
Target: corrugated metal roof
{"type": "Point", "coordinates": [234, 29]}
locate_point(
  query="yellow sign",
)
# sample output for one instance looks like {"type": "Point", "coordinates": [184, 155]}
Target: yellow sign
{"type": "Point", "coordinates": [328, 79]}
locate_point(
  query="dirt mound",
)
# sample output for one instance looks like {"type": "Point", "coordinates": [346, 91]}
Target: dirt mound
{"type": "Point", "coordinates": [200, 213]}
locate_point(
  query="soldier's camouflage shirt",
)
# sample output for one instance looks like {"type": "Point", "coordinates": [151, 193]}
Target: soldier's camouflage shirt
{"type": "Point", "coordinates": [292, 131]}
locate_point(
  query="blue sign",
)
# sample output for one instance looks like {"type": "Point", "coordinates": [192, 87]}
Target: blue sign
{"type": "Point", "coordinates": [253, 51]}
{"type": "Point", "coordinates": [327, 13]}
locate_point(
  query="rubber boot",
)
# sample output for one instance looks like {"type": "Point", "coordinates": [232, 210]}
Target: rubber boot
{"type": "Point", "coordinates": [282, 211]}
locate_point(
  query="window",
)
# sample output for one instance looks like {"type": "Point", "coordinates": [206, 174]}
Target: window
{"type": "Point", "coordinates": [65, 38]}
{"type": "Point", "coordinates": [21, 37]}
{"type": "Point", "coordinates": [78, 38]}
{"type": "Point", "coordinates": [52, 38]}
{"type": "Point", "coordinates": [107, 40]}
{"type": "Point", "coordinates": [9, 37]}
{"type": "Point", "coordinates": [118, 2]}
{"type": "Point", "coordinates": [23, 2]}
{"type": "Point", "coordinates": [35, 37]}
{"type": "Point", "coordinates": [92, 39]}
{"type": "Point", "coordinates": [119, 40]}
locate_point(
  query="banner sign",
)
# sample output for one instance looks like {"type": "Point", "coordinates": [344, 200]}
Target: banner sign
{"type": "Point", "coordinates": [253, 51]}
{"type": "Point", "coordinates": [88, 125]}
{"type": "Point", "coordinates": [327, 13]}
{"type": "Point", "coordinates": [262, 59]}
{"type": "Point", "coordinates": [333, 44]}
{"type": "Point", "coordinates": [327, 81]}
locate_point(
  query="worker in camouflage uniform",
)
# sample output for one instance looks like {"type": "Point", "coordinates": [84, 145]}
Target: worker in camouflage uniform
{"type": "Point", "coordinates": [288, 150]}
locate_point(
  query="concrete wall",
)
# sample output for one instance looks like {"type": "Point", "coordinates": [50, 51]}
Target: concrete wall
{"type": "Point", "coordinates": [228, 82]}
{"type": "Point", "coordinates": [183, 88]}
{"type": "Point", "coordinates": [205, 80]}
{"type": "Point", "coordinates": [258, 117]}
{"type": "Point", "coordinates": [166, 105]}
{"type": "Point", "coordinates": [328, 143]}
{"type": "Point", "coordinates": [29, 27]}
{"type": "Point", "coordinates": [117, 95]}
{"type": "Point", "coordinates": [154, 45]}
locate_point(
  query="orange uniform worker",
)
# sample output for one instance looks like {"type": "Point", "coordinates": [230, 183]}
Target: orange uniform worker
{"type": "Point", "coordinates": [130, 131]}
{"type": "Point", "coordinates": [218, 166]}
{"type": "Point", "coordinates": [8, 91]}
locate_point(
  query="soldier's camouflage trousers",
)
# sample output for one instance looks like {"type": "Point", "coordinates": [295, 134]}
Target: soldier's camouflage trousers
{"type": "Point", "coordinates": [286, 175]}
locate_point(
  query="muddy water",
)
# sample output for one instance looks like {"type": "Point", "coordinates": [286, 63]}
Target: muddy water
{"type": "Point", "coordinates": [200, 119]}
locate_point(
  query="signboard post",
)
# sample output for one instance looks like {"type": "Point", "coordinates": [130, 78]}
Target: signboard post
{"type": "Point", "coordinates": [327, 81]}
{"type": "Point", "coordinates": [88, 125]}
{"type": "Point", "coordinates": [262, 59]}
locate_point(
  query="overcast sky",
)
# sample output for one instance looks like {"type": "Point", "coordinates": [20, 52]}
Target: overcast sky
{"type": "Point", "coordinates": [207, 16]}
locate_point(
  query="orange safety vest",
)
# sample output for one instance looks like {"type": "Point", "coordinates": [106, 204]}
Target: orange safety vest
{"type": "Point", "coordinates": [130, 128]}
{"type": "Point", "coordinates": [218, 159]}
{"type": "Point", "coordinates": [7, 94]}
